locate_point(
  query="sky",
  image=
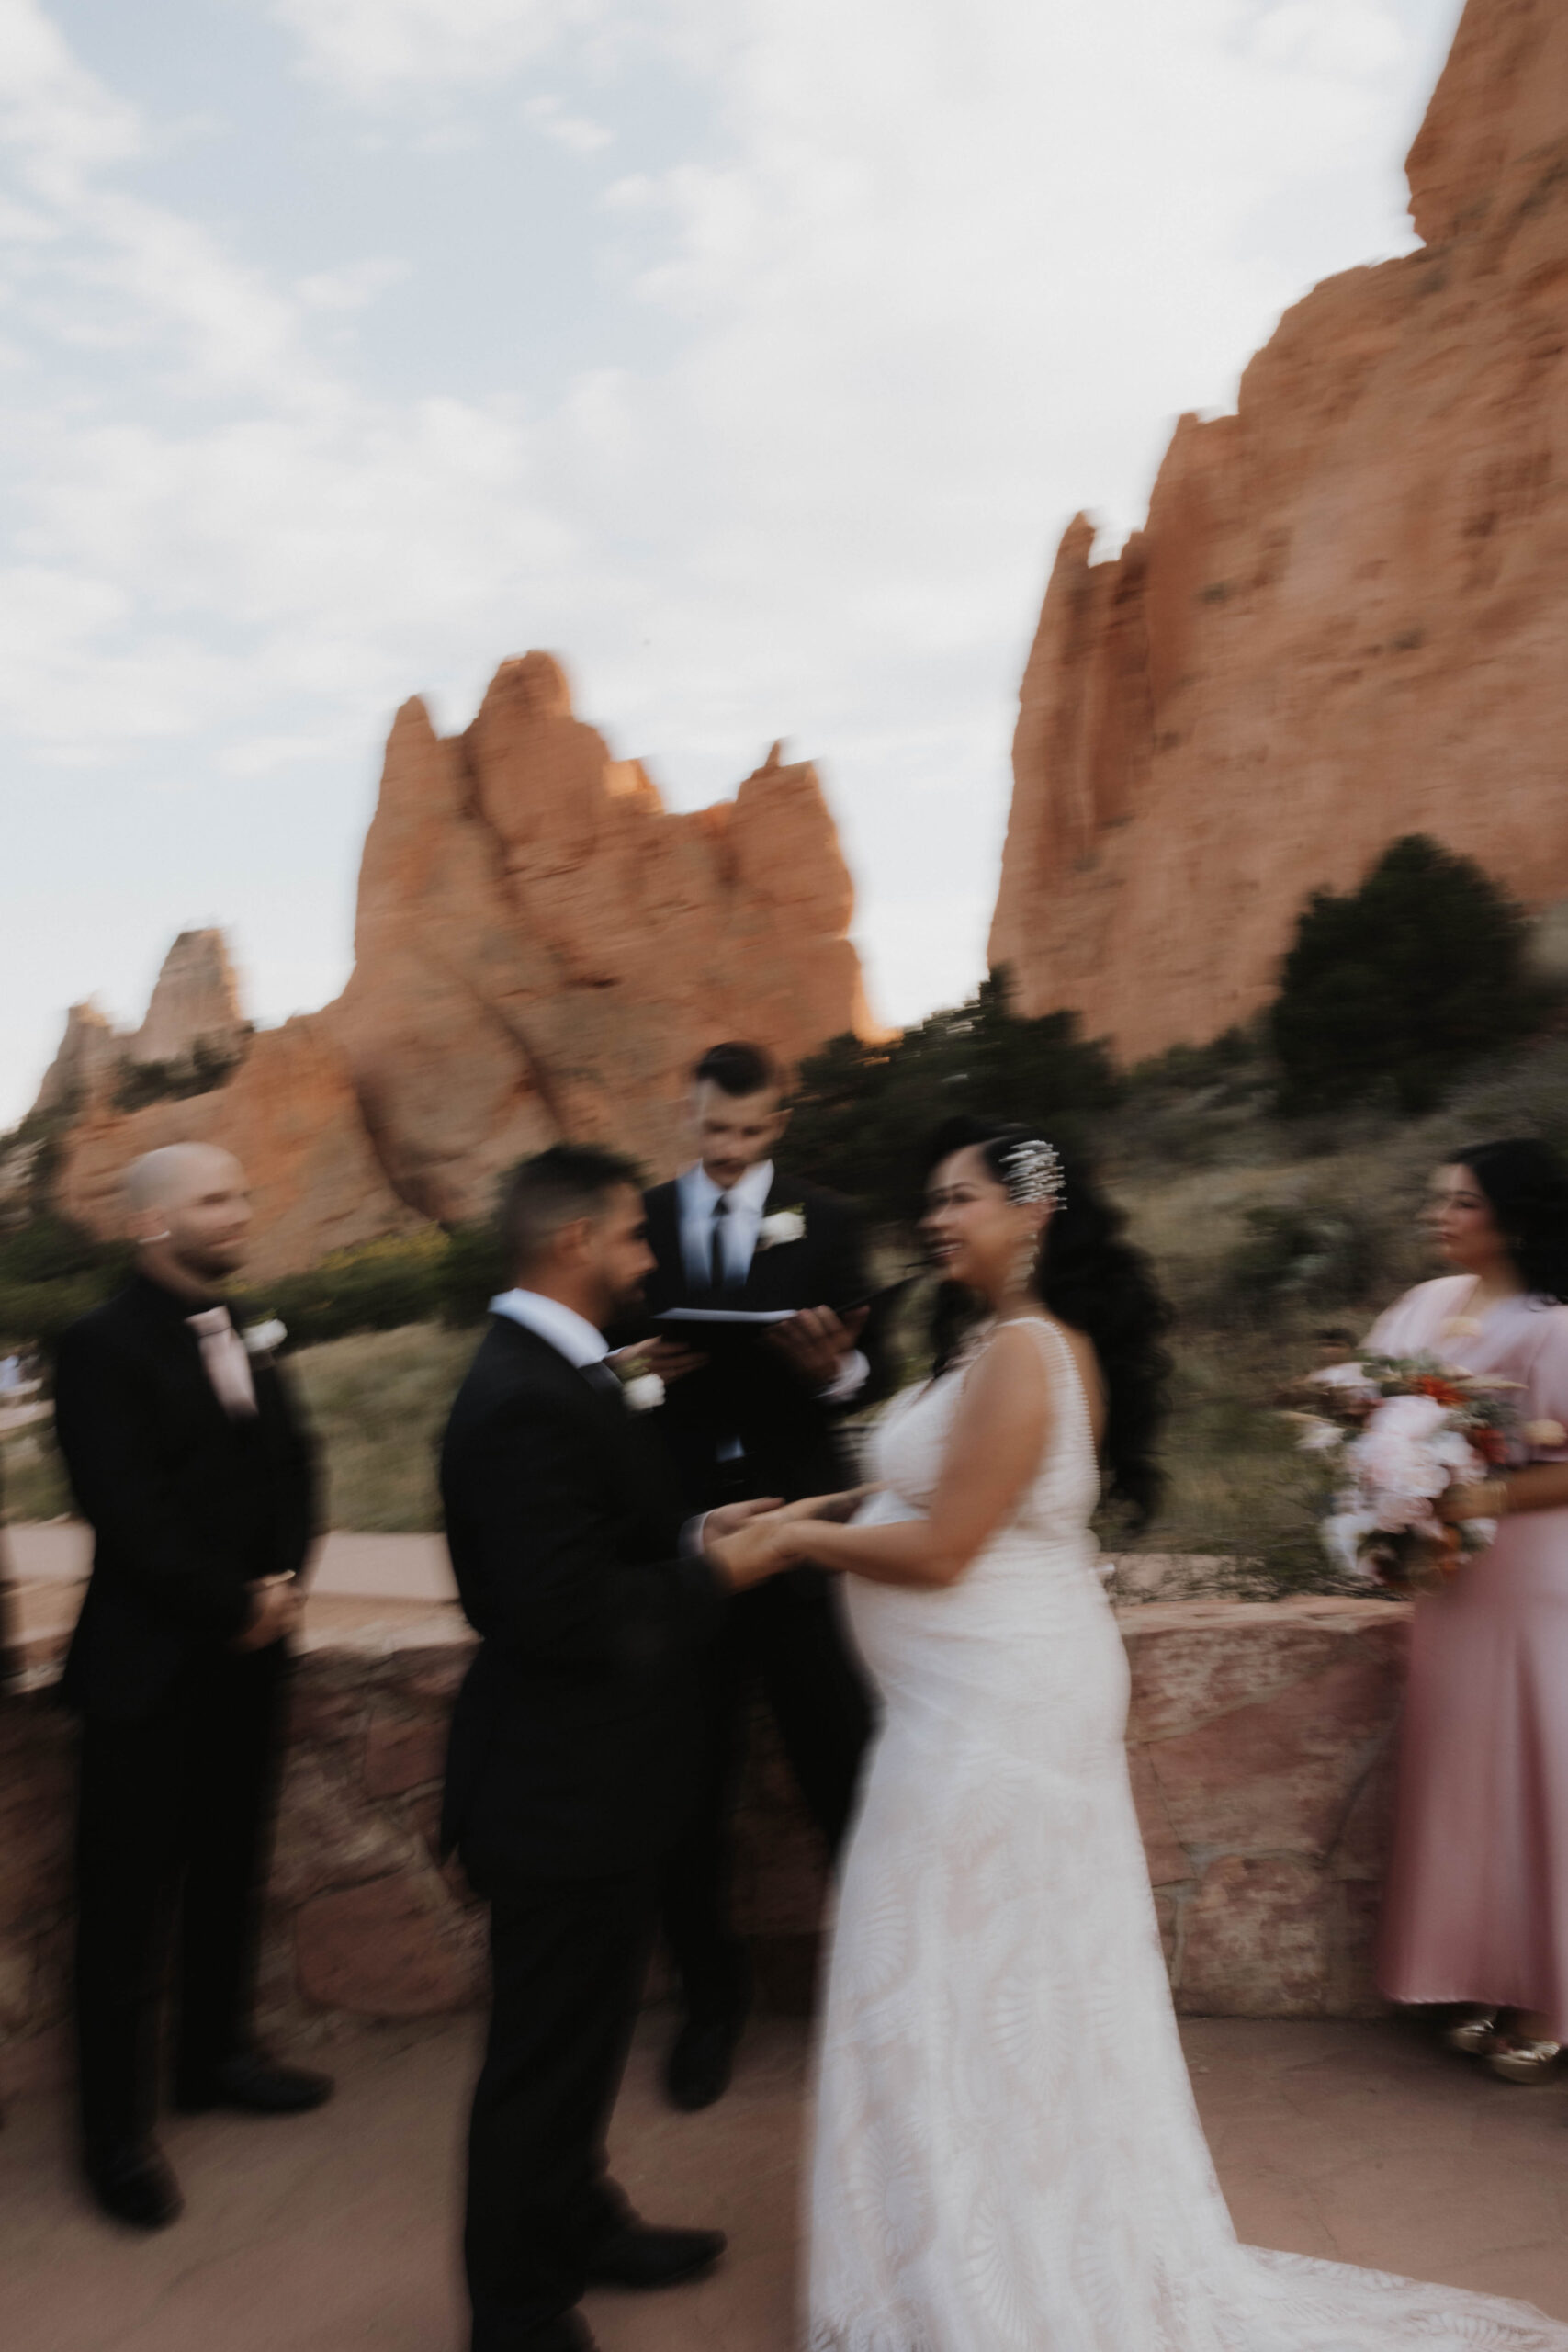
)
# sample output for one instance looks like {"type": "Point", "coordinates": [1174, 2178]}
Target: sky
{"type": "Point", "coordinates": [750, 355]}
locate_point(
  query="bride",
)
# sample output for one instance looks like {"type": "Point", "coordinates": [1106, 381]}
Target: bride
{"type": "Point", "coordinates": [1008, 2156]}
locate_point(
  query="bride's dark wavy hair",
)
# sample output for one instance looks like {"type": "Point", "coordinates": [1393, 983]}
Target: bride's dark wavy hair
{"type": "Point", "coordinates": [1527, 1184]}
{"type": "Point", "coordinates": [1090, 1277]}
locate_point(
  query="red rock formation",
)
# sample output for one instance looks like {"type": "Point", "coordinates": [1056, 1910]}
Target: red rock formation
{"type": "Point", "coordinates": [89, 1052]}
{"type": "Point", "coordinates": [540, 950]}
{"type": "Point", "coordinates": [290, 1116]}
{"type": "Point", "coordinates": [1345, 618]}
{"type": "Point", "coordinates": [195, 1002]}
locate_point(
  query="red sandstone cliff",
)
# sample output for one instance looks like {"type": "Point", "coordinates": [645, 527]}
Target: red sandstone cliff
{"type": "Point", "coordinates": [540, 950]}
{"type": "Point", "coordinates": [1346, 616]}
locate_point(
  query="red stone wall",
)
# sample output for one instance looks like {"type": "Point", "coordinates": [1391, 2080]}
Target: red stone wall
{"type": "Point", "coordinates": [1261, 1740]}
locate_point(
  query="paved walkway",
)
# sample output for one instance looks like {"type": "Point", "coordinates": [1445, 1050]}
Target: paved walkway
{"type": "Point", "coordinates": [1360, 2142]}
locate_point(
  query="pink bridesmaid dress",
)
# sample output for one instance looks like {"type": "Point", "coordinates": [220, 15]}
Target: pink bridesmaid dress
{"type": "Point", "coordinates": [1477, 1905]}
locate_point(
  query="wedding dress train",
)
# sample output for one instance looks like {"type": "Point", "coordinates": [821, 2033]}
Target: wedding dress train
{"type": "Point", "coordinates": [1007, 2155]}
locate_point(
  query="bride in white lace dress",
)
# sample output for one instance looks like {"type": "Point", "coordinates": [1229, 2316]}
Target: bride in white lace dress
{"type": "Point", "coordinates": [1008, 2157]}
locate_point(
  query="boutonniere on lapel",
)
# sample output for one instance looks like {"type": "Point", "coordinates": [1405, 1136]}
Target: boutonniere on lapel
{"type": "Point", "coordinates": [782, 1225]}
{"type": "Point", "coordinates": [641, 1391]}
{"type": "Point", "coordinates": [264, 1339]}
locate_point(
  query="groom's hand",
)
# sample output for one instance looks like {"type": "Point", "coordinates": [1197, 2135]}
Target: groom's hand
{"type": "Point", "coordinates": [815, 1341]}
{"type": "Point", "coordinates": [672, 1359]}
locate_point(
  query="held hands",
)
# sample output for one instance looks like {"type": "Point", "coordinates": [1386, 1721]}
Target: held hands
{"type": "Point", "coordinates": [815, 1341]}
{"type": "Point", "coordinates": [278, 1610]}
{"type": "Point", "coordinates": [759, 1538]}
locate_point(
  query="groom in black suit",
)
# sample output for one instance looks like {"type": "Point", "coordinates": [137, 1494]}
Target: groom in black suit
{"type": "Point", "coordinates": [187, 1456]}
{"type": "Point", "coordinates": [591, 1590]}
{"type": "Point", "coordinates": [761, 1417]}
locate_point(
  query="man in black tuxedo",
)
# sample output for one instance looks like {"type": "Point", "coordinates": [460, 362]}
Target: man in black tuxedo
{"type": "Point", "coordinates": [591, 1591]}
{"type": "Point", "coordinates": [732, 1232]}
{"type": "Point", "coordinates": [186, 1455]}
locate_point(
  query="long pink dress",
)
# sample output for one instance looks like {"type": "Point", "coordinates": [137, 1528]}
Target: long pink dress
{"type": "Point", "coordinates": [1476, 1906]}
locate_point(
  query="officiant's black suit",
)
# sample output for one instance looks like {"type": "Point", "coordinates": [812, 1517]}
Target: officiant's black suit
{"type": "Point", "coordinates": [179, 1734]}
{"type": "Point", "coordinates": [785, 1635]}
{"type": "Point", "coordinates": [571, 1740]}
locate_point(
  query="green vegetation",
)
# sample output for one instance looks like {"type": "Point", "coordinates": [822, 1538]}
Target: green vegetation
{"type": "Point", "coordinates": [381, 1285]}
{"type": "Point", "coordinates": [52, 1271]}
{"type": "Point", "coordinates": [862, 1111]}
{"type": "Point", "coordinates": [379, 1403]}
{"type": "Point", "coordinates": [1397, 987]}
{"type": "Point", "coordinates": [209, 1065]}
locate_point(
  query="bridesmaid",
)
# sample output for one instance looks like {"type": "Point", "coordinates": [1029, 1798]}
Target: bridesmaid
{"type": "Point", "coordinates": [1476, 1906]}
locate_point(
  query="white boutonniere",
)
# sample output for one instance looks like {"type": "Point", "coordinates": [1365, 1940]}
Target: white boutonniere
{"type": "Point", "coordinates": [264, 1338]}
{"type": "Point", "coordinates": [642, 1390]}
{"type": "Point", "coordinates": [784, 1225]}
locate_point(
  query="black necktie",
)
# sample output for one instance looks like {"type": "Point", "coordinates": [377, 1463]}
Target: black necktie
{"type": "Point", "coordinates": [718, 1272]}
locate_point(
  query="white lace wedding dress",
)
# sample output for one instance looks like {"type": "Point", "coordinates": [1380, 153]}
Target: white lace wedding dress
{"type": "Point", "coordinates": [1008, 2157]}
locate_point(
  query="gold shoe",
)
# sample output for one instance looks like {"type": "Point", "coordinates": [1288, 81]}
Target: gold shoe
{"type": "Point", "coordinates": [1525, 2062]}
{"type": "Point", "coordinates": [1471, 2036]}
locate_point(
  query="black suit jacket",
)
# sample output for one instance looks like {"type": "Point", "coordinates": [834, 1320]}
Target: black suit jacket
{"type": "Point", "coordinates": [188, 1506]}
{"type": "Point", "coordinates": [571, 1735]}
{"type": "Point", "coordinates": [788, 1431]}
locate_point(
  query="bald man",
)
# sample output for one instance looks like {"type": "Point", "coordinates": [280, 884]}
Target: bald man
{"type": "Point", "coordinates": [190, 1460]}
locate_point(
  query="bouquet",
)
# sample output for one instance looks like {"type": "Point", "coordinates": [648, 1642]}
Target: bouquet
{"type": "Point", "coordinates": [1399, 1432]}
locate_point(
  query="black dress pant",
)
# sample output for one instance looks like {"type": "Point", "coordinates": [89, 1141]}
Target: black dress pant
{"type": "Point", "coordinates": [784, 1637]}
{"type": "Point", "coordinates": [568, 1958]}
{"type": "Point", "coordinates": [172, 1833]}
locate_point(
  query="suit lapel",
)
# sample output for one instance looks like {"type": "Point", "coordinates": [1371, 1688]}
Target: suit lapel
{"type": "Point", "coordinates": [775, 1273]}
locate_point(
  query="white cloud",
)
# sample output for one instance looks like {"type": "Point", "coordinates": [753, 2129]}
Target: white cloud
{"type": "Point", "coordinates": [354, 289]}
{"type": "Point", "coordinates": [373, 49]}
{"type": "Point", "coordinates": [916, 282]}
{"type": "Point", "coordinates": [575, 132]}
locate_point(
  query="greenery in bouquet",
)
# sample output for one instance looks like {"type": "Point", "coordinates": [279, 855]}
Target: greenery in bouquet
{"type": "Point", "coordinates": [1395, 1432]}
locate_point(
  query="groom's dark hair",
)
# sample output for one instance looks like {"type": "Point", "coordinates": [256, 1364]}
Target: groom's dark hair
{"type": "Point", "coordinates": [737, 1069]}
{"type": "Point", "coordinates": [555, 1188]}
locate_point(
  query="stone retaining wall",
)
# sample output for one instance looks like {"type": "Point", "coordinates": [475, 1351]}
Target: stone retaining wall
{"type": "Point", "coordinates": [1260, 1743]}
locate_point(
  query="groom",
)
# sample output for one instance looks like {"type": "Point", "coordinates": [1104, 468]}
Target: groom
{"type": "Point", "coordinates": [734, 1233]}
{"type": "Point", "coordinates": [590, 1592]}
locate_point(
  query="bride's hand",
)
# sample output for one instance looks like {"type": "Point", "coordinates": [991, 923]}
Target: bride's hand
{"type": "Point", "coordinates": [754, 1552]}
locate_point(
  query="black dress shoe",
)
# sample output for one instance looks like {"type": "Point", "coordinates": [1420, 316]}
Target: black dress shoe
{"type": "Point", "coordinates": [133, 2182]}
{"type": "Point", "coordinates": [255, 2085]}
{"type": "Point", "coordinates": [701, 2060]}
{"type": "Point", "coordinates": [638, 2255]}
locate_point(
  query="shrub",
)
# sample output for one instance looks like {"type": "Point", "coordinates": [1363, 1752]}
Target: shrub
{"type": "Point", "coordinates": [1311, 1253]}
{"type": "Point", "coordinates": [52, 1271]}
{"type": "Point", "coordinates": [862, 1111]}
{"type": "Point", "coordinates": [1395, 986]}
{"type": "Point", "coordinates": [372, 1288]}
{"type": "Point", "coordinates": [209, 1064]}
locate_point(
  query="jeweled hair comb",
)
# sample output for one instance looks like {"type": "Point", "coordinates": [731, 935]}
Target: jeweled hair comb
{"type": "Point", "coordinates": [1034, 1172]}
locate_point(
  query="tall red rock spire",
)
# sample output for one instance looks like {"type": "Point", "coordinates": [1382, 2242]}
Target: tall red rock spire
{"type": "Point", "coordinates": [1347, 616]}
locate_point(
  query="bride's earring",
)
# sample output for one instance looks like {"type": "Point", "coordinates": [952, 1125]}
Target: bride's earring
{"type": "Point", "coordinates": [1025, 1261]}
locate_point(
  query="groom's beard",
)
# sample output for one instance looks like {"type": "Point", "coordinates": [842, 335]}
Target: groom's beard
{"type": "Point", "coordinates": [621, 1303]}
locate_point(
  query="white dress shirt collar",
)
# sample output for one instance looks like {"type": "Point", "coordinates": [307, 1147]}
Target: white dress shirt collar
{"type": "Point", "coordinates": [570, 1334]}
{"type": "Point", "coordinates": [751, 1193]}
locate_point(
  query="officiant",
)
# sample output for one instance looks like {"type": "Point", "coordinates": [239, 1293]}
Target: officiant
{"type": "Point", "coordinates": [755, 1411]}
